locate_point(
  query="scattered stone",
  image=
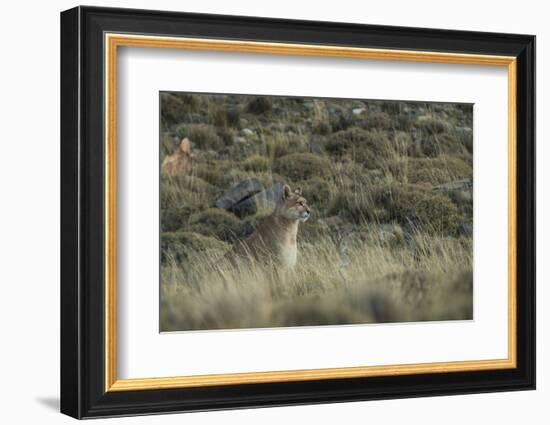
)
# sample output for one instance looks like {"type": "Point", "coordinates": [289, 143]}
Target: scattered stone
{"type": "Point", "coordinates": [358, 111]}
{"type": "Point", "coordinates": [465, 184]}
{"type": "Point", "coordinates": [466, 230]}
{"type": "Point", "coordinates": [247, 132]}
{"type": "Point", "coordinates": [391, 233]}
{"type": "Point", "coordinates": [316, 148]}
{"type": "Point", "coordinates": [462, 196]}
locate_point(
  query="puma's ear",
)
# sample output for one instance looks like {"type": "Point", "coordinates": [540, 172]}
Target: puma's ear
{"type": "Point", "coordinates": [185, 145]}
{"type": "Point", "coordinates": [298, 191]}
{"type": "Point", "coordinates": [286, 191]}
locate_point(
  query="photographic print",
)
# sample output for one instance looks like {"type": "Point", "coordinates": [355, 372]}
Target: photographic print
{"type": "Point", "coordinates": [290, 211]}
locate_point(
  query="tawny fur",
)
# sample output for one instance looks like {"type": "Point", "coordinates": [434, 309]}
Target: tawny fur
{"type": "Point", "coordinates": [274, 240]}
{"type": "Point", "coordinates": [180, 162]}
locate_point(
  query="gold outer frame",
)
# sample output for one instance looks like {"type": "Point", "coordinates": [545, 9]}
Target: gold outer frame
{"type": "Point", "coordinates": [113, 41]}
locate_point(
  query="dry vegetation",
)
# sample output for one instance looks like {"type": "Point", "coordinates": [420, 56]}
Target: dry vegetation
{"type": "Point", "coordinates": [389, 239]}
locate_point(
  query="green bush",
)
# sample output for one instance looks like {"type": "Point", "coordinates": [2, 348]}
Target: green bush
{"type": "Point", "coordinates": [181, 246]}
{"type": "Point", "coordinates": [217, 223]}
{"type": "Point", "coordinates": [438, 214]}
{"type": "Point", "coordinates": [256, 163]}
{"type": "Point", "coordinates": [432, 125]}
{"type": "Point", "coordinates": [215, 173]}
{"type": "Point", "coordinates": [259, 105]}
{"type": "Point", "coordinates": [317, 191]}
{"type": "Point", "coordinates": [440, 144]}
{"type": "Point", "coordinates": [203, 136]}
{"type": "Point", "coordinates": [357, 207]}
{"type": "Point", "coordinates": [400, 200]}
{"type": "Point", "coordinates": [439, 170]}
{"type": "Point", "coordinates": [368, 148]}
{"type": "Point", "coordinates": [279, 144]}
{"type": "Point", "coordinates": [302, 166]}
{"type": "Point", "coordinates": [176, 107]}
{"type": "Point", "coordinates": [172, 219]}
{"type": "Point", "coordinates": [377, 121]}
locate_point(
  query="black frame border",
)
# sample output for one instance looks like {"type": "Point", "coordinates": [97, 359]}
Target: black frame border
{"type": "Point", "coordinates": [82, 212]}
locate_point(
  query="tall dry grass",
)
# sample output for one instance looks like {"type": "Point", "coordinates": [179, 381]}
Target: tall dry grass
{"type": "Point", "coordinates": [341, 279]}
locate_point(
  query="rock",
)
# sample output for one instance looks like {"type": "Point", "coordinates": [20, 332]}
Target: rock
{"type": "Point", "coordinates": [391, 233]}
{"type": "Point", "coordinates": [465, 184]}
{"type": "Point", "coordinates": [238, 193]}
{"type": "Point", "coordinates": [180, 162]}
{"type": "Point", "coordinates": [462, 196]}
{"type": "Point", "coordinates": [466, 230]}
{"type": "Point", "coordinates": [460, 191]}
{"type": "Point", "coordinates": [247, 132]}
{"type": "Point", "coordinates": [465, 130]}
{"type": "Point", "coordinates": [316, 148]}
{"type": "Point", "coordinates": [266, 199]}
{"type": "Point", "coordinates": [358, 111]}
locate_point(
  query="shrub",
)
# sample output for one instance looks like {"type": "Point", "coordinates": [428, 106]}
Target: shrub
{"type": "Point", "coordinates": [317, 191]}
{"type": "Point", "coordinates": [403, 122]}
{"type": "Point", "coordinates": [217, 115]}
{"type": "Point", "coordinates": [464, 135]}
{"type": "Point", "coordinates": [215, 173]}
{"type": "Point", "coordinates": [439, 144]}
{"type": "Point", "coordinates": [392, 108]}
{"type": "Point", "coordinates": [176, 107]}
{"type": "Point", "coordinates": [168, 145]}
{"type": "Point", "coordinates": [259, 105]}
{"type": "Point", "coordinates": [279, 144]}
{"type": "Point", "coordinates": [365, 147]}
{"type": "Point", "coordinates": [227, 134]}
{"type": "Point", "coordinates": [356, 207]}
{"type": "Point", "coordinates": [400, 200]}
{"type": "Point", "coordinates": [432, 125]}
{"type": "Point", "coordinates": [302, 166]}
{"type": "Point", "coordinates": [377, 121]}
{"type": "Point", "coordinates": [203, 136]}
{"type": "Point", "coordinates": [233, 117]}
{"type": "Point", "coordinates": [340, 121]}
{"type": "Point", "coordinates": [438, 170]}
{"type": "Point", "coordinates": [321, 127]}
{"type": "Point", "coordinates": [218, 223]}
{"type": "Point", "coordinates": [438, 214]}
{"type": "Point", "coordinates": [415, 206]}
{"type": "Point", "coordinates": [172, 219]}
{"type": "Point", "coordinates": [181, 246]}
{"type": "Point", "coordinates": [256, 163]}
{"type": "Point", "coordinates": [184, 191]}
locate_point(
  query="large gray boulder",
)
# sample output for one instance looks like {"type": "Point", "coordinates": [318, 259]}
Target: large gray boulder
{"type": "Point", "coordinates": [239, 192]}
{"type": "Point", "coordinates": [266, 199]}
{"type": "Point", "coordinates": [249, 196]}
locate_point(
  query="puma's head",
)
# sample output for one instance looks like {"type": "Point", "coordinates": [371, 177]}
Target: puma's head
{"type": "Point", "coordinates": [293, 205]}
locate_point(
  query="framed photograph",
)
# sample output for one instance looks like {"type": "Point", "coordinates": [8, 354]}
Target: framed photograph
{"type": "Point", "coordinates": [261, 212]}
